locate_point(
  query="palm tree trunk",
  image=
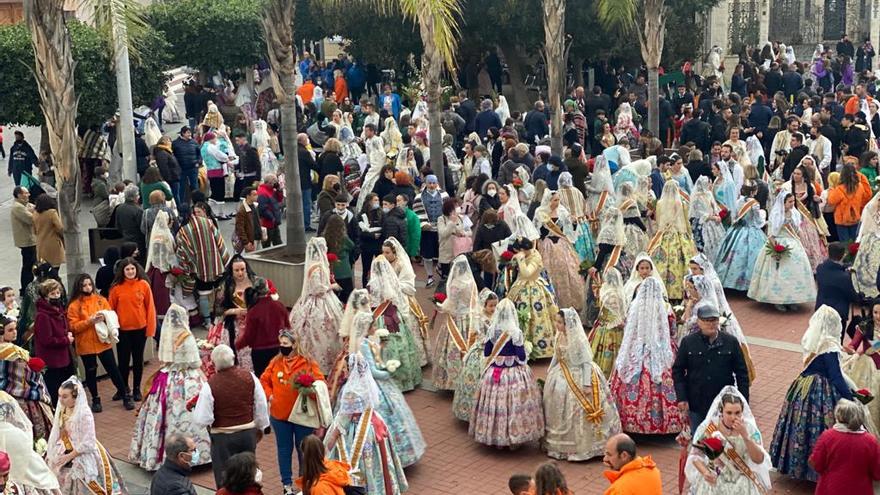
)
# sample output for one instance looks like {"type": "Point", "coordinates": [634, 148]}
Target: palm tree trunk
{"type": "Point", "coordinates": [278, 30]}
{"type": "Point", "coordinates": [54, 70]}
{"type": "Point", "coordinates": [554, 50]}
{"type": "Point", "coordinates": [125, 127]}
{"type": "Point", "coordinates": [654, 102]}
{"type": "Point", "coordinates": [651, 43]}
{"type": "Point", "coordinates": [432, 65]}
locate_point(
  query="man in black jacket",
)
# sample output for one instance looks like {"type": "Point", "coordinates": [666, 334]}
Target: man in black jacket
{"type": "Point", "coordinates": [798, 151]}
{"type": "Point", "coordinates": [834, 285]}
{"type": "Point", "coordinates": [706, 362]}
{"type": "Point", "coordinates": [306, 166]}
{"type": "Point", "coordinates": [855, 136]}
{"type": "Point", "coordinates": [173, 477]}
{"type": "Point", "coordinates": [21, 158]}
{"type": "Point", "coordinates": [393, 221]}
{"type": "Point", "coordinates": [536, 123]}
{"type": "Point", "coordinates": [188, 155]}
{"type": "Point", "coordinates": [792, 82]}
{"type": "Point", "coordinates": [468, 111]}
{"type": "Point", "coordinates": [249, 165]}
{"type": "Point", "coordinates": [698, 132]}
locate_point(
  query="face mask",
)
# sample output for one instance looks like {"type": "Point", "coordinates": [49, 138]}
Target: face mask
{"type": "Point", "coordinates": [285, 351]}
{"type": "Point", "coordinates": [194, 460]}
{"type": "Point", "coordinates": [258, 477]}
{"type": "Point", "coordinates": [55, 300]}
{"type": "Point", "coordinates": [374, 205]}
{"type": "Point", "coordinates": [491, 193]}
{"type": "Point", "coordinates": [386, 209]}
{"type": "Point", "coordinates": [341, 212]}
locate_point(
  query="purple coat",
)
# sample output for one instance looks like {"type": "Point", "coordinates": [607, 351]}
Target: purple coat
{"type": "Point", "coordinates": [50, 334]}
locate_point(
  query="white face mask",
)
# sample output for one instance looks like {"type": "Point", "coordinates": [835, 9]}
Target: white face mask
{"type": "Point", "coordinates": [341, 212]}
{"type": "Point", "coordinates": [491, 193]}
{"type": "Point", "coordinates": [386, 209]}
{"type": "Point", "coordinates": [374, 205]}
{"type": "Point", "coordinates": [258, 476]}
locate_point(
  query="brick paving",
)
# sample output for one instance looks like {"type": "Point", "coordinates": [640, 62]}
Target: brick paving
{"type": "Point", "coordinates": [455, 464]}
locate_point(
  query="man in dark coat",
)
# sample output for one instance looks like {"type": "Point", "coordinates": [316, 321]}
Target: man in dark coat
{"type": "Point", "coordinates": [249, 165]}
{"type": "Point", "coordinates": [306, 166]}
{"type": "Point", "coordinates": [394, 220]}
{"type": "Point", "coordinates": [698, 132]}
{"type": "Point", "coordinates": [21, 158]}
{"type": "Point", "coordinates": [706, 362]}
{"type": "Point", "coordinates": [834, 285]}
{"type": "Point", "coordinates": [798, 151]}
{"type": "Point", "coordinates": [487, 118]}
{"type": "Point", "coordinates": [792, 82]}
{"type": "Point", "coordinates": [536, 123]}
{"type": "Point", "coordinates": [845, 47]}
{"type": "Point", "coordinates": [188, 155]}
{"type": "Point", "coordinates": [468, 111]}
{"type": "Point", "coordinates": [173, 477]}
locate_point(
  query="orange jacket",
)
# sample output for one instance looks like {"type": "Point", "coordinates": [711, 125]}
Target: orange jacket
{"type": "Point", "coordinates": [78, 314]}
{"type": "Point", "coordinates": [637, 477]}
{"type": "Point", "coordinates": [852, 104]}
{"type": "Point", "coordinates": [340, 90]}
{"type": "Point", "coordinates": [306, 91]}
{"type": "Point", "coordinates": [848, 207]}
{"type": "Point", "coordinates": [282, 396]}
{"type": "Point", "coordinates": [331, 481]}
{"type": "Point", "coordinates": [133, 302]}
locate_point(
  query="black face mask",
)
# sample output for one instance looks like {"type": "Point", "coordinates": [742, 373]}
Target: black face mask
{"type": "Point", "coordinates": [285, 351]}
{"type": "Point", "coordinates": [55, 300]}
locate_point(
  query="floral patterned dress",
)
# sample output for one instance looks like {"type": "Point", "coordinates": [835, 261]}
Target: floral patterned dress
{"type": "Point", "coordinates": [742, 244]}
{"type": "Point", "coordinates": [730, 480]}
{"type": "Point", "coordinates": [449, 358]}
{"type": "Point", "coordinates": [671, 248]}
{"type": "Point", "coordinates": [561, 262]}
{"type": "Point", "coordinates": [812, 232]}
{"type": "Point", "coordinates": [469, 377]}
{"type": "Point", "coordinates": [532, 296]}
{"type": "Point", "coordinates": [315, 319]}
{"type": "Point", "coordinates": [605, 340]}
{"type": "Point", "coordinates": [399, 346]}
{"type": "Point", "coordinates": [788, 280]}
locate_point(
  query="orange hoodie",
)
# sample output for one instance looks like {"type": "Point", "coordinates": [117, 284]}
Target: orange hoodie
{"type": "Point", "coordinates": [79, 313]}
{"type": "Point", "coordinates": [282, 396]}
{"type": "Point", "coordinates": [637, 477]}
{"type": "Point", "coordinates": [331, 481]}
{"type": "Point", "coordinates": [848, 207]}
{"type": "Point", "coordinates": [133, 302]}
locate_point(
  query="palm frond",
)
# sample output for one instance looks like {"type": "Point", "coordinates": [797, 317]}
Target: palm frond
{"type": "Point", "coordinates": [127, 13]}
{"type": "Point", "coordinates": [617, 14]}
{"type": "Point", "coordinates": [443, 15]}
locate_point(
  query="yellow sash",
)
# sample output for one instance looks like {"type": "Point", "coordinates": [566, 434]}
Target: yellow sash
{"type": "Point", "coordinates": [11, 352]}
{"type": "Point", "coordinates": [601, 203]}
{"type": "Point", "coordinates": [496, 349]}
{"type": "Point", "coordinates": [420, 315]}
{"type": "Point", "coordinates": [626, 205]}
{"type": "Point", "coordinates": [738, 462]}
{"type": "Point", "coordinates": [655, 242]}
{"type": "Point", "coordinates": [359, 441]}
{"type": "Point", "coordinates": [455, 333]}
{"type": "Point", "coordinates": [612, 259]}
{"type": "Point", "coordinates": [181, 338]}
{"type": "Point", "coordinates": [592, 408]}
{"type": "Point", "coordinates": [745, 209]}
{"type": "Point", "coordinates": [553, 228]}
{"type": "Point", "coordinates": [380, 310]}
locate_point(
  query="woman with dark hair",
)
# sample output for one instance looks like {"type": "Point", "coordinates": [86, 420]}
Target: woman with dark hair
{"type": "Point", "coordinates": [29, 298]}
{"type": "Point", "coordinates": [550, 481]}
{"type": "Point", "coordinates": [152, 181]}
{"type": "Point", "coordinates": [128, 250]}
{"type": "Point", "coordinates": [237, 279]}
{"type": "Point", "coordinates": [812, 230]}
{"type": "Point", "coordinates": [49, 232]}
{"type": "Point", "coordinates": [242, 476]}
{"type": "Point", "coordinates": [371, 245]}
{"type": "Point", "coordinates": [132, 299]}
{"type": "Point", "coordinates": [340, 245]}
{"type": "Point", "coordinates": [321, 476]}
{"type": "Point", "coordinates": [490, 231]}
{"type": "Point", "coordinates": [265, 319]}
{"type": "Point", "coordinates": [385, 184]}
{"type": "Point", "coordinates": [86, 310]}
{"type": "Point", "coordinates": [848, 199]}
{"type": "Point", "coordinates": [868, 162]}
{"type": "Point", "coordinates": [53, 337]}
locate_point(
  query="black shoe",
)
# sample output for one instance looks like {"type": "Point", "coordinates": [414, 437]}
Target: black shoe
{"type": "Point", "coordinates": [309, 229]}
{"type": "Point", "coordinates": [127, 404]}
{"type": "Point", "coordinates": [137, 396]}
{"type": "Point", "coordinates": [96, 405]}
{"type": "Point", "coordinates": [119, 396]}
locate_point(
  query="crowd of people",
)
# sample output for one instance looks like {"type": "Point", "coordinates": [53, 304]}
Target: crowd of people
{"type": "Point", "coordinates": [611, 257]}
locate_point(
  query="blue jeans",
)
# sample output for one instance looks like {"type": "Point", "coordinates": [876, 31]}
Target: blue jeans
{"type": "Point", "coordinates": [847, 232]}
{"type": "Point", "coordinates": [175, 191]}
{"type": "Point", "coordinates": [307, 207]}
{"type": "Point", "coordinates": [192, 123]}
{"type": "Point", "coordinates": [189, 181]}
{"type": "Point", "coordinates": [287, 437]}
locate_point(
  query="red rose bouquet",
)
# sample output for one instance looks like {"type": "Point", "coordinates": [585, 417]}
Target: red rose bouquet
{"type": "Point", "coordinates": [507, 255]}
{"type": "Point", "coordinates": [517, 182]}
{"type": "Point", "coordinates": [712, 446]}
{"type": "Point", "coordinates": [37, 365]}
{"type": "Point", "coordinates": [863, 395]}
{"type": "Point", "coordinates": [304, 383]}
{"type": "Point", "coordinates": [723, 214]}
{"type": "Point", "coordinates": [438, 298]}
{"type": "Point", "coordinates": [332, 258]}
{"type": "Point", "coordinates": [776, 250]}
{"type": "Point", "coordinates": [852, 249]}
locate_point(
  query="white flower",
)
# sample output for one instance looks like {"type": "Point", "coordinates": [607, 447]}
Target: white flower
{"type": "Point", "coordinates": [280, 375]}
{"type": "Point", "coordinates": [391, 365]}
{"type": "Point", "coordinates": [382, 333]}
{"type": "Point", "coordinates": [41, 446]}
{"type": "Point", "coordinates": [722, 321]}
{"type": "Point", "coordinates": [529, 347]}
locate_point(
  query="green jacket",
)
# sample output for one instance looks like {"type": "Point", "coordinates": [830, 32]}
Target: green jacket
{"type": "Point", "coordinates": [413, 233]}
{"type": "Point", "coordinates": [146, 189]}
{"type": "Point", "coordinates": [342, 268]}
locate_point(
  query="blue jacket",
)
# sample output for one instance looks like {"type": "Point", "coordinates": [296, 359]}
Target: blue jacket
{"type": "Point", "coordinates": [394, 102]}
{"type": "Point", "coordinates": [835, 288]}
{"type": "Point", "coordinates": [187, 153]}
{"type": "Point", "coordinates": [760, 116]}
{"type": "Point", "coordinates": [356, 76]}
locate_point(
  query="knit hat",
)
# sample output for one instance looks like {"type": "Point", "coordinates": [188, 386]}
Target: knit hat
{"type": "Point", "coordinates": [431, 179]}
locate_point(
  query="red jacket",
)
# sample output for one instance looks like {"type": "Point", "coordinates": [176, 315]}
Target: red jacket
{"type": "Point", "coordinates": [263, 322]}
{"type": "Point", "coordinates": [50, 333]}
{"type": "Point", "coordinates": [846, 462]}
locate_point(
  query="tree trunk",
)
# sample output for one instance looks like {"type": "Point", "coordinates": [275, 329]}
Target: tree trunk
{"type": "Point", "coordinates": [554, 50]}
{"type": "Point", "coordinates": [654, 103]}
{"type": "Point", "coordinates": [516, 62]}
{"type": "Point", "coordinates": [578, 66]}
{"type": "Point", "coordinates": [278, 30]}
{"type": "Point", "coordinates": [651, 44]}
{"type": "Point", "coordinates": [432, 65]}
{"type": "Point", "coordinates": [125, 127]}
{"type": "Point", "coordinates": [54, 71]}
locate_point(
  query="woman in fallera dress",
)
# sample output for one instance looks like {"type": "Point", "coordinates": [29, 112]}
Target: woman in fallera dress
{"type": "Point", "coordinates": [390, 311]}
{"type": "Point", "coordinates": [317, 310]}
{"type": "Point", "coordinates": [416, 318]}
{"type": "Point", "coordinates": [508, 409]}
{"type": "Point", "coordinates": [607, 334]}
{"type": "Point", "coordinates": [863, 363]}
{"type": "Point", "coordinates": [672, 245]}
{"type": "Point", "coordinates": [473, 361]}
{"type": "Point", "coordinates": [532, 296]}
{"type": "Point", "coordinates": [642, 379]}
{"type": "Point", "coordinates": [808, 409]}
{"type": "Point", "coordinates": [356, 320]}
{"type": "Point", "coordinates": [74, 453]}
{"type": "Point", "coordinates": [705, 218]}
{"type": "Point", "coordinates": [614, 252]}
{"type": "Point", "coordinates": [460, 314]}
{"type": "Point", "coordinates": [867, 261]}
{"type": "Point", "coordinates": [812, 230]}
{"type": "Point", "coordinates": [742, 244]}
{"type": "Point", "coordinates": [556, 246]}
{"type": "Point", "coordinates": [785, 280]}
{"type": "Point", "coordinates": [28, 474]}
{"type": "Point", "coordinates": [579, 414]}
{"type": "Point", "coordinates": [164, 411]}
{"type": "Point", "coordinates": [744, 468]}
{"type": "Point", "coordinates": [635, 228]}
{"type": "Point", "coordinates": [642, 268]}
{"type": "Point", "coordinates": [573, 200]}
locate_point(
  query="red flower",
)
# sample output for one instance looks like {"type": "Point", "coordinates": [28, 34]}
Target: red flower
{"type": "Point", "coordinates": [854, 248]}
{"type": "Point", "coordinates": [191, 404]}
{"type": "Point", "coordinates": [714, 444]}
{"type": "Point", "coordinates": [439, 297]}
{"type": "Point", "coordinates": [36, 364]}
{"type": "Point", "coordinates": [177, 271]}
{"type": "Point", "coordinates": [723, 213]}
{"type": "Point", "coordinates": [507, 255]}
{"type": "Point", "coordinates": [779, 248]}
{"type": "Point", "coordinates": [305, 380]}
{"type": "Point", "coordinates": [863, 391]}
{"type": "Point", "coordinates": [332, 258]}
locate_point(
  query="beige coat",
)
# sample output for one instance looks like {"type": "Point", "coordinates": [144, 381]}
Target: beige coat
{"type": "Point", "coordinates": [22, 225]}
{"type": "Point", "coordinates": [50, 237]}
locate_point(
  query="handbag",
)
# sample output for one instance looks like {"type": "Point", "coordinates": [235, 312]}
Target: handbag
{"type": "Point", "coordinates": [461, 245]}
{"type": "Point", "coordinates": [313, 412]}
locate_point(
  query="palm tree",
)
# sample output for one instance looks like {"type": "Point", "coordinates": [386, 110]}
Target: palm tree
{"type": "Point", "coordinates": [554, 55]}
{"type": "Point", "coordinates": [278, 30]}
{"type": "Point", "coordinates": [626, 15]}
{"type": "Point", "coordinates": [438, 27]}
{"type": "Point", "coordinates": [53, 70]}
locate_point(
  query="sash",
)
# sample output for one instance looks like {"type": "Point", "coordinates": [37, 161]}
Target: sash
{"type": "Point", "coordinates": [745, 209]}
{"type": "Point", "coordinates": [496, 349]}
{"type": "Point", "coordinates": [420, 315]}
{"type": "Point", "coordinates": [592, 408]}
{"type": "Point", "coordinates": [181, 338]}
{"type": "Point", "coordinates": [380, 309]}
{"type": "Point", "coordinates": [359, 440]}
{"type": "Point", "coordinates": [685, 196]}
{"type": "Point", "coordinates": [612, 259]}
{"type": "Point", "coordinates": [792, 232]}
{"type": "Point", "coordinates": [12, 352]}
{"type": "Point", "coordinates": [455, 333]}
{"type": "Point", "coordinates": [554, 229]}
{"type": "Point", "coordinates": [738, 462]}
{"type": "Point", "coordinates": [626, 205]}
{"type": "Point", "coordinates": [603, 197]}
{"type": "Point", "coordinates": [655, 242]}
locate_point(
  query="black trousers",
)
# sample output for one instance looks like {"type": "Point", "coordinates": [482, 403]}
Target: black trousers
{"type": "Point", "coordinates": [90, 363]}
{"type": "Point", "coordinates": [131, 355]}
{"type": "Point", "coordinates": [226, 445]}
{"type": "Point", "coordinates": [28, 259]}
{"type": "Point", "coordinates": [261, 358]}
{"type": "Point", "coordinates": [55, 377]}
{"type": "Point", "coordinates": [347, 285]}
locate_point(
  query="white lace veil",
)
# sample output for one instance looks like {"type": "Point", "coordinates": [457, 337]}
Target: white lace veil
{"type": "Point", "coordinates": [462, 296]}
{"type": "Point", "coordinates": [823, 333]}
{"type": "Point", "coordinates": [728, 187]}
{"type": "Point", "coordinates": [762, 470]}
{"type": "Point", "coordinates": [565, 179]}
{"type": "Point", "coordinates": [671, 210]}
{"type": "Point", "coordinates": [777, 215]}
{"type": "Point", "coordinates": [152, 134]}
{"type": "Point", "coordinates": [505, 320]}
{"type": "Point", "coordinates": [384, 284]}
{"type": "Point", "coordinates": [628, 191]}
{"type": "Point", "coordinates": [11, 412]}
{"type": "Point", "coordinates": [563, 216]}
{"type": "Point", "coordinates": [503, 110]}
{"type": "Point", "coordinates": [80, 427]}
{"type": "Point", "coordinates": [702, 201]}
{"type": "Point", "coordinates": [575, 346]}
{"type": "Point", "coordinates": [511, 209]}
{"type": "Point", "coordinates": [523, 227]}
{"type": "Point", "coordinates": [162, 253]}
{"type": "Point", "coordinates": [405, 274]}
{"type": "Point", "coordinates": [632, 284]}
{"type": "Point", "coordinates": [754, 149]}
{"type": "Point", "coordinates": [28, 467]}
{"type": "Point", "coordinates": [391, 136]}
{"type": "Point", "coordinates": [485, 295]}
{"type": "Point", "coordinates": [260, 137]}
{"type": "Point", "coordinates": [353, 325]}
{"type": "Point", "coordinates": [611, 296]}
{"type": "Point", "coordinates": [601, 180]}
{"type": "Point", "coordinates": [360, 391]}
{"type": "Point", "coordinates": [611, 231]}
{"type": "Point", "coordinates": [316, 277]}
{"type": "Point", "coordinates": [646, 341]}
{"type": "Point", "coordinates": [870, 226]}
{"type": "Point", "coordinates": [177, 344]}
